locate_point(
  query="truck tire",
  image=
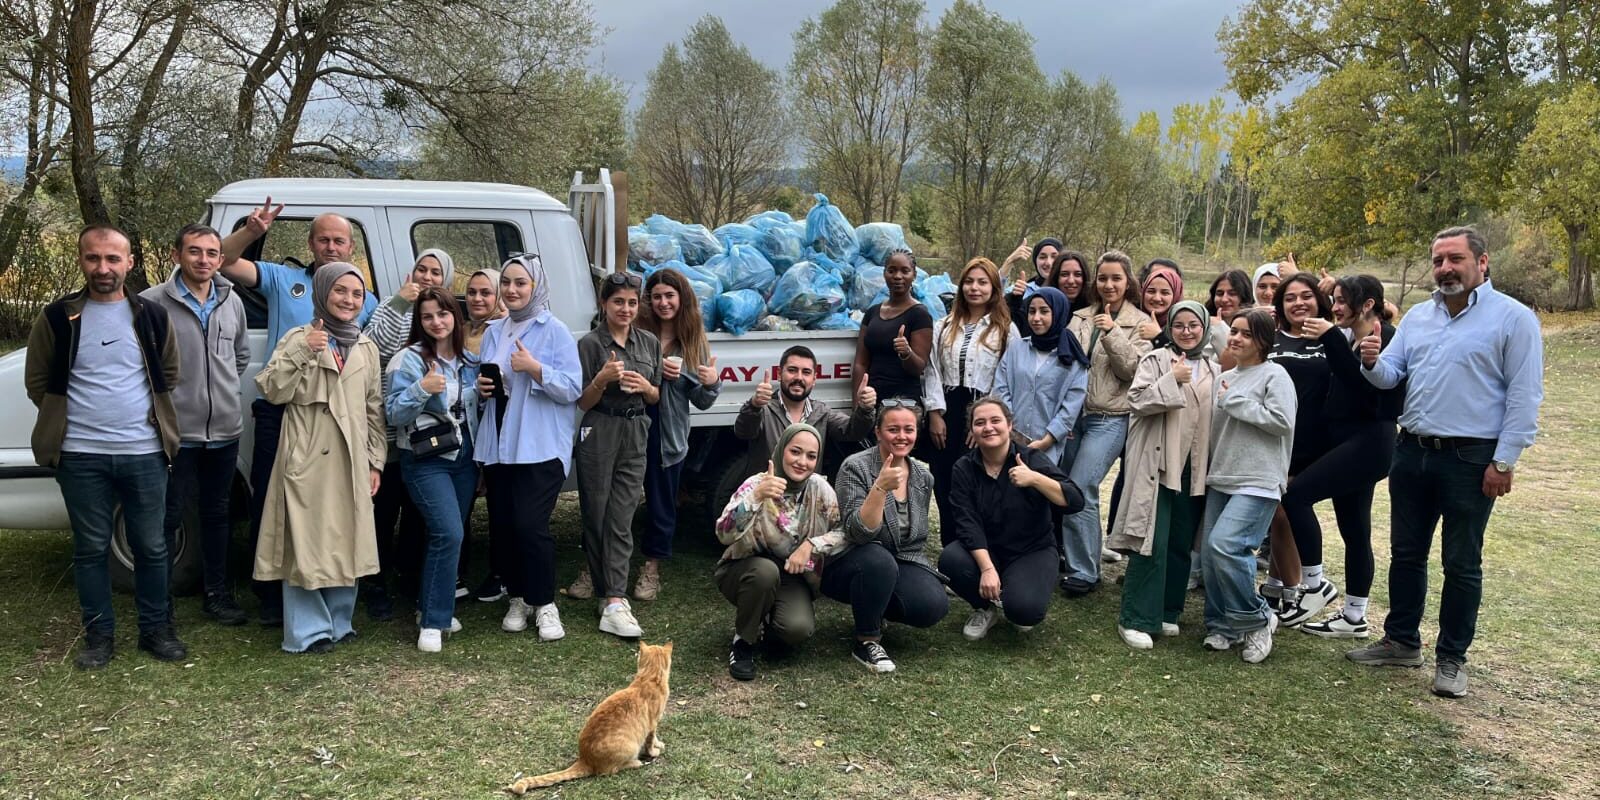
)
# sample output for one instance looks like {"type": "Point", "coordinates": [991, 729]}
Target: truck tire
{"type": "Point", "coordinates": [185, 575]}
{"type": "Point", "coordinates": [725, 480]}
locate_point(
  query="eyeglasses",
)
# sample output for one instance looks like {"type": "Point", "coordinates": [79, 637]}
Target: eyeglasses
{"type": "Point", "coordinates": [625, 279]}
{"type": "Point", "coordinates": [901, 402]}
{"type": "Point", "coordinates": [1193, 327]}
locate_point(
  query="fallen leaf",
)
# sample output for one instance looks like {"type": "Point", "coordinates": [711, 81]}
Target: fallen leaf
{"type": "Point", "coordinates": [1094, 698]}
{"type": "Point", "coordinates": [801, 704]}
{"type": "Point", "coordinates": [1033, 728]}
{"type": "Point", "coordinates": [101, 729]}
{"type": "Point", "coordinates": [818, 743]}
{"type": "Point", "coordinates": [683, 702]}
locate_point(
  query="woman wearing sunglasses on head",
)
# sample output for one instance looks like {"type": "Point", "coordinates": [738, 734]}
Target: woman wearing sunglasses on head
{"type": "Point", "coordinates": [1000, 547]}
{"type": "Point", "coordinates": [622, 375]}
{"type": "Point", "coordinates": [528, 380]}
{"type": "Point", "coordinates": [884, 573]}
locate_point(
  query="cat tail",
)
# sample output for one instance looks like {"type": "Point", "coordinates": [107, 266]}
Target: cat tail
{"type": "Point", "coordinates": [579, 769]}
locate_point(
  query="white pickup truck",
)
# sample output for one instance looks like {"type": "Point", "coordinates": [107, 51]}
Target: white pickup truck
{"type": "Point", "coordinates": [479, 224]}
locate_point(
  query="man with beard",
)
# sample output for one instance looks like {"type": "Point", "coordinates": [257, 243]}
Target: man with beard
{"type": "Point", "coordinates": [762, 422]}
{"type": "Point", "coordinates": [1473, 363]}
{"type": "Point", "coordinates": [101, 369]}
{"type": "Point", "coordinates": [287, 289]}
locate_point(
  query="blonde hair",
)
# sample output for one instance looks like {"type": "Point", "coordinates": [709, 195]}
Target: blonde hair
{"type": "Point", "coordinates": [963, 313]}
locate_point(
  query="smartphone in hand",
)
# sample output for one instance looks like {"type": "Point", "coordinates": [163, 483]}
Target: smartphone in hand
{"type": "Point", "coordinates": [491, 370]}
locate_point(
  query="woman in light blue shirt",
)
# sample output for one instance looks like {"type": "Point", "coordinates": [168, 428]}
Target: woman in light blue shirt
{"type": "Point", "coordinates": [525, 438]}
{"type": "Point", "coordinates": [1044, 384]}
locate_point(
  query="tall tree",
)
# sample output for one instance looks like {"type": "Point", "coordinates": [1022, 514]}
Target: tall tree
{"type": "Point", "coordinates": [858, 72]}
{"type": "Point", "coordinates": [711, 132]}
{"type": "Point", "coordinates": [1558, 177]}
{"type": "Point", "coordinates": [983, 89]}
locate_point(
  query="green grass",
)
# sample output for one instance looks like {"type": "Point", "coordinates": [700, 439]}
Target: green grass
{"type": "Point", "coordinates": [1064, 711]}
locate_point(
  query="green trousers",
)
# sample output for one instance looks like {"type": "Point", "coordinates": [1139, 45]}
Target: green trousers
{"type": "Point", "coordinates": [1153, 588]}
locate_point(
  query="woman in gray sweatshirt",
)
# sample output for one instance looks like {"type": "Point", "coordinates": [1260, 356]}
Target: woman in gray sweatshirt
{"type": "Point", "coordinates": [1252, 433]}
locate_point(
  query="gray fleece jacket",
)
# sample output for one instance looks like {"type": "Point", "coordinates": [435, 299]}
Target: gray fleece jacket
{"type": "Point", "coordinates": [1252, 432]}
{"type": "Point", "coordinates": [207, 398]}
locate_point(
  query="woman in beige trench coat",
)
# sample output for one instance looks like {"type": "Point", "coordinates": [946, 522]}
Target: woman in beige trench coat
{"type": "Point", "coordinates": [317, 534]}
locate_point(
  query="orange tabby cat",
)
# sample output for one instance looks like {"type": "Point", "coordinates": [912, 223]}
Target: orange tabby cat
{"type": "Point", "coordinates": [622, 729]}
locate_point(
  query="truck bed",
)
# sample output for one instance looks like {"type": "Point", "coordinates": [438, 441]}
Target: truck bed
{"type": "Point", "coordinates": [744, 360]}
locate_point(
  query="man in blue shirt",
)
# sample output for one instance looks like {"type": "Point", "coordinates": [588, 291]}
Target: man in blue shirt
{"type": "Point", "coordinates": [1473, 360]}
{"type": "Point", "coordinates": [287, 289]}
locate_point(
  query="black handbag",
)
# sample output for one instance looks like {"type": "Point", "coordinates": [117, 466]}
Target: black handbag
{"type": "Point", "coordinates": [440, 438]}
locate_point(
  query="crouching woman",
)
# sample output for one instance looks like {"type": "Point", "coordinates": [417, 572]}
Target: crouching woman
{"type": "Point", "coordinates": [1002, 556]}
{"type": "Point", "coordinates": [770, 580]}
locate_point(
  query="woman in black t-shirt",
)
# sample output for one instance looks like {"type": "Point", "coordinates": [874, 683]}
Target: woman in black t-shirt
{"type": "Point", "coordinates": [1304, 357]}
{"type": "Point", "coordinates": [896, 336]}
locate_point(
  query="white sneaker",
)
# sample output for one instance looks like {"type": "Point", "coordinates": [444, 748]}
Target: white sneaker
{"type": "Point", "coordinates": [980, 622]}
{"type": "Point", "coordinates": [1258, 643]}
{"type": "Point", "coordinates": [1195, 581]}
{"type": "Point", "coordinates": [1309, 604]}
{"type": "Point", "coordinates": [1337, 626]}
{"type": "Point", "coordinates": [455, 624]}
{"type": "Point", "coordinates": [1217, 642]}
{"type": "Point", "coordinates": [431, 640]}
{"type": "Point", "coordinates": [1169, 629]}
{"type": "Point", "coordinates": [516, 619]}
{"type": "Point", "coordinates": [548, 620]}
{"type": "Point", "coordinates": [1109, 556]}
{"type": "Point", "coordinates": [618, 620]}
{"type": "Point", "coordinates": [1138, 640]}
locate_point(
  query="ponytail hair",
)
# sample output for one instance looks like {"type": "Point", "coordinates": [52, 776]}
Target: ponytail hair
{"type": "Point", "coordinates": [1358, 289]}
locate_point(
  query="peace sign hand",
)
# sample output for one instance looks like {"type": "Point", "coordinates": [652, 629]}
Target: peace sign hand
{"type": "Point", "coordinates": [262, 218]}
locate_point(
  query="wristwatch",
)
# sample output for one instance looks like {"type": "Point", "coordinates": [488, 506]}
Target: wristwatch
{"type": "Point", "coordinates": [1502, 467]}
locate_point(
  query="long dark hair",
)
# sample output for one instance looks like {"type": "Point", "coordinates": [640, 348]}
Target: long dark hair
{"type": "Point", "coordinates": [687, 331]}
{"type": "Point", "coordinates": [1358, 289]}
{"type": "Point", "coordinates": [1324, 306]}
{"type": "Point", "coordinates": [447, 302]}
{"type": "Point", "coordinates": [1239, 282]}
{"type": "Point", "coordinates": [1082, 300]}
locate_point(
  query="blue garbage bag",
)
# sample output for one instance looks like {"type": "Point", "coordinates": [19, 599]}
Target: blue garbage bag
{"type": "Point", "coordinates": [743, 267]}
{"type": "Point", "coordinates": [837, 321]}
{"type": "Point", "coordinates": [693, 274]}
{"type": "Point", "coordinates": [879, 239]}
{"type": "Point", "coordinates": [645, 247]}
{"type": "Point", "coordinates": [938, 285]}
{"type": "Point", "coordinates": [829, 232]}
{"type": "Point", "coordinates": [738, 311]}
{"type": "Point", "coordinates": [807, 292]}
{"type": "Point", "coordinates": [707, 297]}
{"type": "Point", "coordinates": [782, 244]}
{"type": "Point", "coordinates": [773, 322]}
{"type": "Point", "coordinates": [867, 287]}
{"type": "Point", "coordinates": [697, 244]}
{"type": "Point", "coordinates": [737, 233]}
{"type": "Point", "coordinates": [662, 224]}
{"type": "Point", "coordinates": [767, 218]}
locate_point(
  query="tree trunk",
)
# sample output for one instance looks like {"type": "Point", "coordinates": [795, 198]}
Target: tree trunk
{"type": "Point", "coordinates": [129, 212]}
{"type": "Point", "coordinates": [1580, 282]}
{"type": "Point", "coordinates": [84, 155]}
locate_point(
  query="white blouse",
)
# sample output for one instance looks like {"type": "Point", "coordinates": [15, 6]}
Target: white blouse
{"type": "Point", "coordinates": [970, 360]}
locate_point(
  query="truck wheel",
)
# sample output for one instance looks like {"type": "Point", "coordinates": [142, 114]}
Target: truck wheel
{"type": "Point", "coordinates": [185, 575]}
{"type": "Point", "coordinates": [725, 481]}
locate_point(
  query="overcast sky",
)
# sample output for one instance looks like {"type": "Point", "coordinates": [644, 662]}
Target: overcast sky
{"type": "Point", "coordinates": [1158, 53]}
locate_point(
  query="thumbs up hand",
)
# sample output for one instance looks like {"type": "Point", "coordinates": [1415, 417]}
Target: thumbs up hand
{"type": "Point", "coordinates": [893, 475]}
{"type": "Point", "coordinates": [866, 396]}
{"type": "Point", "coordinates": [409, 290]}
{"type": "Point", "coordinates": [433, 382]}
{"type": "Point", "coordinates": [523, 361]}
{"type": "Point", "coordinates": [902, 347]}
{"type": "Point", "coordinates": [317, 338]}
{"type": "Point", "coordinates": [772, 485]}
{"type": "Point", "coordinates": [1022, 475]}
{"type": "Point", "coordinates": [1023, 253]}
{"type": "Point", "coordinates": [763, 394]}
{"type": "Point", "coordinates": [611, 372]}
{"type": "Point", "coordinates": [707, 372]}
{"type": "Point", "coordinates": [1371, 346]}
{"type": "Point", "coordinates": [1180, 369]}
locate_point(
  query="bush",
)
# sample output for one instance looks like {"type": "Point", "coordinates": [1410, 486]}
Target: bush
{"type": "Point", "coordinates": [1524, 267]}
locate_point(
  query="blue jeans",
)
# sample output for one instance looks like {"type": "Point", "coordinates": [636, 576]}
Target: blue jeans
{"type": "Point", "coordinates": [443, 490]}
{"type": "Point", "coordinates": [1100, 441]}
{"type": "Point", "coordinates": [1425, 486]}
{"type": "Point", "coordinates": [92, 485]}
{"type": "Point", "coordinates": [660, 496]}
{"type": "Point", "coordinates": [1235, 526]}
{"type": "Point", "coordinates": [311, 615]}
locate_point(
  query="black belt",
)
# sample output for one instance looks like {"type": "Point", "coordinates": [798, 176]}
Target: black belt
{"type": "Point", "coordinates": [1443, 442]}
{"type": "Point", "coordinates": [621, 413]}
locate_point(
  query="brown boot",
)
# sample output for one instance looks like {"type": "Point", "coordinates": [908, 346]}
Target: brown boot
{"type": "Point", "coordinates": [649, 583]}
{"type": "Point", "coordinates": [583, 587]}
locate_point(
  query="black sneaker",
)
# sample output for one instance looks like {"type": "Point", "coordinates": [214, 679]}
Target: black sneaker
{"type": "Point", "coordinates": [223, 610]}
{"type": "Point", "coordinates": [1077, 587]}
{"type": "Point", "coordinates": [270, 616]}
{"type": "Point", "coordinates": [490, 591]}
{"type": "Point", "coordinates": [742, 661]}
{"type": "Point", "coordinates": [379, 607]}
{"type": "Point", "coordinates": [98, 648]}
{"type": "Point", "coordinates": [320, 647]}
{"type": "Point", "coordinates": [162, 642]}
{"type": "Point", "coordinates": [873, 656]}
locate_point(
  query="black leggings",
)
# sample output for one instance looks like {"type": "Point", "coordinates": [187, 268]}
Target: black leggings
{"type": "Point", "coordinates": [1346, 474]}
{"type": "Point", "coordinates": [1026, 581]}
{"type": "Point", "coordinates": [878, 587]}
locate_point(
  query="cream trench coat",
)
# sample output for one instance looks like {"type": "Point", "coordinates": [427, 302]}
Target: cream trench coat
{"type": "Point", "coordinates": [317, 530]}
{"type": "Point", "coordinates": [1170, 421]}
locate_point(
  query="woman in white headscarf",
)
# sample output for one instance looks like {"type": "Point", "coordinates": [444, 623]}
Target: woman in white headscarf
{"type": "Point", "coordinates": [316, 527]}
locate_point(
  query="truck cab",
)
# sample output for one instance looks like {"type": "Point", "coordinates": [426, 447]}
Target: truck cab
{"type": "Point", "coordinates": [480, 225]}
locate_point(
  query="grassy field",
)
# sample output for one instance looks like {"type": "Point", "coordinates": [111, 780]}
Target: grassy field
{"type": "Point", "coordinates": [1066, 711]}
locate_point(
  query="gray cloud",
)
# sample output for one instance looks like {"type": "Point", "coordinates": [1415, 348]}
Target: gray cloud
{"type": "Point", "coordinates": [1158, 53]}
